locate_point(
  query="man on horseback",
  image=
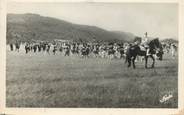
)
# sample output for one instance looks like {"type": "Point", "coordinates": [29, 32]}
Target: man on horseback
{"type": "Point", "coordinates": [143, 47]}
{"type": "Point", "coordinates": [145, 42]}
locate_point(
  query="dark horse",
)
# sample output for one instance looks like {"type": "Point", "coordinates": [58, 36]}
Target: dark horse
{"type": "Point", "coordinates": [135, 50]}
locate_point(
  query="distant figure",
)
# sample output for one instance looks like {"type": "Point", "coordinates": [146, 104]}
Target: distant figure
{"type": "Point", "coordinates": [54, 50]}
{"type": "Point", "coordinates": [48, 48]}
{"type": "Point", "coordinates": [95, 50]}
{"type": "Point", "coordinates": [34, 48]}
{"type": "Point", "coordinates": [173, 50]}
{"type": "Point", "coordinates": [67, 51]}
{"type": "Point", "coordinates": [11, 46]}
{"type": "Point", "coordinates": [17, 46]}
{"type": "Point", "coordinates": [39, 48]}
{"type": "Point", "coordinates": [44, 46]}
{"type": "Point", "coordinates": [27, 48]}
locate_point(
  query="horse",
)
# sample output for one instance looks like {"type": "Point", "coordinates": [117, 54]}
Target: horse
{"type": "Point", "coordinates": [134, 51]}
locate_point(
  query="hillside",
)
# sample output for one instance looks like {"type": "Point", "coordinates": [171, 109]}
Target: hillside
{"type": "Point", "coordinates": [26, 27]}
{"type": "Point", "coordinates": [126, 36]}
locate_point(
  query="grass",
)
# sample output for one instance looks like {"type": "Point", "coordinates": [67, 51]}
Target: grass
{"type": "Point", "coordinates": [57, 81]}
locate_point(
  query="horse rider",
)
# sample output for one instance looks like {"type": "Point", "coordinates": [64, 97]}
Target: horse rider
{"type": "Point", "coordinates": [145, 42]}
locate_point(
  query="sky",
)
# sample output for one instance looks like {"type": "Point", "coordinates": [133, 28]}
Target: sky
{"type": "Point", "coordinates": [158, 19]}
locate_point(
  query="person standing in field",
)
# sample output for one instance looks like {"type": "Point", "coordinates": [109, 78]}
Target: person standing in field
{"type": "Point", "coordinates": [11, 46]}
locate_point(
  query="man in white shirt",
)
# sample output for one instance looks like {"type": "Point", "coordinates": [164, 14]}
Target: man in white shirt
{"type": "Point", "coordinates": [145, 42]}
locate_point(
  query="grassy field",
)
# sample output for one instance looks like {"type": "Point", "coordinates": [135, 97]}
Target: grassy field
{"type": "Point", "coordinates": [57, 81]}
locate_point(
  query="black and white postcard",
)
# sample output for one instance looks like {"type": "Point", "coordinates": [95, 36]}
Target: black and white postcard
{"type": "Point", "coordinates": [90, 56]}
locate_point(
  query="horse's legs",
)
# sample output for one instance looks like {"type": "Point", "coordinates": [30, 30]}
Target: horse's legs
{"type": "Point", "coordinates": [129, 61]}
{"type": "Point", "coordinates": [146, 61]}
{"type": "Point", "coordinates": [126, 59]}
{"type": "Point", "coordinates": [161, 56]}
{"type": "Point", "coordinates": [133, 62]}
{"type": "Point", "coordinates": [153, 64]}
{"type": "Point", "coordinates": [26, 50]}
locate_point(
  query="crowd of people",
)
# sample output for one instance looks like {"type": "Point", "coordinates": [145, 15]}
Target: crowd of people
{"type": "Point", "coordinates": [95, 49]}
{"type": "Point", "coordinates": [106, 49]}
{"type": "Point", "coordinates": [87, 49]}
